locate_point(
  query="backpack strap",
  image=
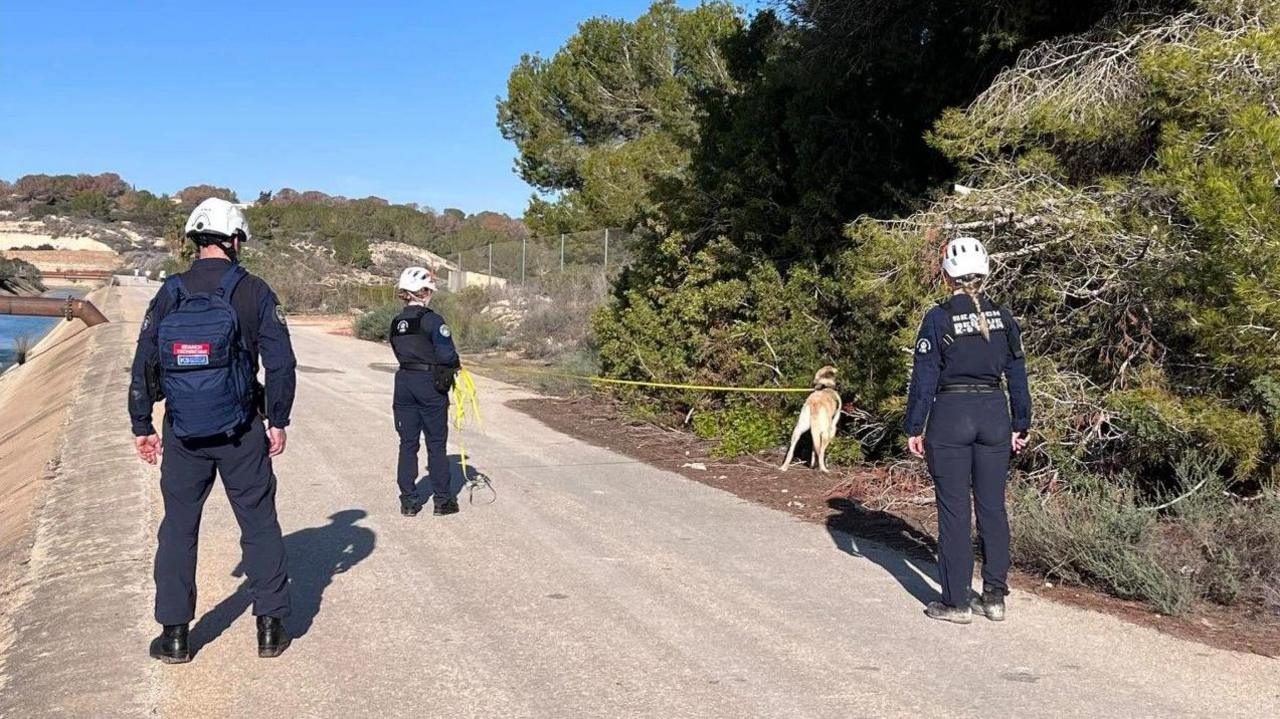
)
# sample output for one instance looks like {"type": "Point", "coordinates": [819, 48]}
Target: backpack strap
{"type": "Point", "coordinates": [177, 290]}
{"type": "Point", "coordinates": [229, 281]}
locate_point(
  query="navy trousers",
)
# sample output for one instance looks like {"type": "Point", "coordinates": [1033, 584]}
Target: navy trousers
{"type": "Point", "coordinates": [186, 477]}
{"type": "Point", "coordinates": [419, 411]}
{"type": "Point", "coordinates": [967, 445]}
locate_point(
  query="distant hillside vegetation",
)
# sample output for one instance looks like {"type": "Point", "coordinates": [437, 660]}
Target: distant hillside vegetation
{"type": "Point", "coordinates": [305, 242]}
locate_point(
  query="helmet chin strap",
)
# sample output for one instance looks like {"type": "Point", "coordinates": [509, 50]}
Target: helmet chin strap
{"type": "Point", "coordinates": [230, 249]}
{"type": "Point", "coordinates": [228, 245]}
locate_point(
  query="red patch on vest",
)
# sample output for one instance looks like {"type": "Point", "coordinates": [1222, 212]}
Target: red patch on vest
{"type": "Point", "coordinates": [190, 348]}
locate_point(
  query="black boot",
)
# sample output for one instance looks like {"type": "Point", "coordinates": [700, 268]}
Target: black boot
{"type": "Point", "coordinates": [272, 638]}
{"type": "Point", "coordinates": [410, 506]}
{"type": "Point", "coordinates": [947, 613]}
{"type": "Point", "coordinates": [171, 646]}
{"type": "Point", "coordinates": [448, 506]}
{"type": "Point", "coordinates": [990, 605]}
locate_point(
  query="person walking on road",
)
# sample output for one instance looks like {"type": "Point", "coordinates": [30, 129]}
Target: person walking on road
{"type": "Point", "coordinates": [199, 349]}
{"type": "Point", "coordinates": [966, 345]}
{"type": "Point", "coordinates": [429, 364]}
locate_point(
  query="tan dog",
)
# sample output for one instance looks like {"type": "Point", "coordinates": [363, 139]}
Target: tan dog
{"type": "Point", "coordinates": [819, 416]}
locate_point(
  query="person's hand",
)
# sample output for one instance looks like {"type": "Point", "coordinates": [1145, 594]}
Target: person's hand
{"type": "Point", "coordinates": [1019, 442]}
{"type": "Point", "coordinates": [916, 445]}
{"type": "Point", "coordinates": [278, 439]}
{"type": "Point", "coordinates": [148, 447]}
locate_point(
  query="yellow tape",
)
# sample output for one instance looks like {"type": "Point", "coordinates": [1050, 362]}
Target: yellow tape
{"type": "Point", "coordinates": [658, 385]}
{"type": "Point", "coordinates": [464, 395]}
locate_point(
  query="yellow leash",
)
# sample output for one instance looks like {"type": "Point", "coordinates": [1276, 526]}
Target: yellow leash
{"type": "Point", "coordinates": [464, 397]}
{"type": "Point", "coordinates": [466, 401]}
{"type": "Point", "coordinates": [657, 385]}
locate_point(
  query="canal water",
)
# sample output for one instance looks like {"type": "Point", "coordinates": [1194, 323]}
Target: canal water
{"type": "Point", "coordinates": [14, 328]}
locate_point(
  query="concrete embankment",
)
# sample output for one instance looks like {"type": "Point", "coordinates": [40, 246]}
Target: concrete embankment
{"type": "Point", "coordinates": [74, 522]}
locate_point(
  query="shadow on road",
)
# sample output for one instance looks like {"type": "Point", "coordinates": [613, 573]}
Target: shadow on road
{"type": "Point", "coordinates": [316, 556]}
{"type": "Point", "coordinates": [903, 551]}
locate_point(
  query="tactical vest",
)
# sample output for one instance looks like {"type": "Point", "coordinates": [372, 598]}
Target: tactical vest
{"type": "Point", "coordinates": [415, 347]}
{"type": "Point", "coordinates": [409, 340]}
{"type": "Point", "coordinates": [967, 356]}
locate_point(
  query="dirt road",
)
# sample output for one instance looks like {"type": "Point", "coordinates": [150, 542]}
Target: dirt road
{"type": "Point", "coordinates": [594, 587]}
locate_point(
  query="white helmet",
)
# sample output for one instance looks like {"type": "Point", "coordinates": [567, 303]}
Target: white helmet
{"type": "Point", "coordinates": [965, 256]}
{"type": "Point", "coordinates": [215, 216]}
{"type": "Point", "coordinates": [416, 279]}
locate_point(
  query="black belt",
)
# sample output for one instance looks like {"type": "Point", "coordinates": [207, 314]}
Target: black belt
{"type": "Point", "coordinates": [968, 388]}
{"type": "Point", "coordinates": [418, 366]}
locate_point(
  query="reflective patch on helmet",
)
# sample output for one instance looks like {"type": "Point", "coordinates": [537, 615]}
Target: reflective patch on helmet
{"type": "Point", "coordinates": [280, 315]}
{"type": "Point", "coordinates": [924, 346]}
{"type": "Point", "coordinates": [444, 330]}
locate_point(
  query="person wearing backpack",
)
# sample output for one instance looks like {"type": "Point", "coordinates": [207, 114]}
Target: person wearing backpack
{"type": "Point", "coordinates": [198, 350]}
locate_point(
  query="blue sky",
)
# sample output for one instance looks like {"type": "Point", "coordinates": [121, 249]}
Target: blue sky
{"type": "Point", "coordinates": [387, 98]}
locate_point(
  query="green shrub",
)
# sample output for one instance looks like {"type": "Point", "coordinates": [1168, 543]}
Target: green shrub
{"type": "Point", "coordinates": [1164, 427]}
{"type": "Point", "coordinates": [1095, 534]}
{"type": "Point", "coordinates": [470, 331]}
{"type": "Point", "coordinates": [91, 204]}
{"type": "Point", "coordinates": [375, 324]}
{"type": "Point", "coordinates": [844, 451]}
{"type": "Point", "coordinates": [740, 429]}
{"type": "Point", "coordinates": [351, 249]}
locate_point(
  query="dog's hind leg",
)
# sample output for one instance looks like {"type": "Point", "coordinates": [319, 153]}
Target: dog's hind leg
{"type": "Point", "coordinates": [820, 441]}
{"type": "Point", "coordinates": [828, 436]}
{"type": "Point", "coordinates": [802, 426]}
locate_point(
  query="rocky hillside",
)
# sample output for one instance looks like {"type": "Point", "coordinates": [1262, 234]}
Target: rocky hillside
{"type": "Point", "coordinates": [315, 247]}
{"type": "Point", "coordinates": [139, 247]}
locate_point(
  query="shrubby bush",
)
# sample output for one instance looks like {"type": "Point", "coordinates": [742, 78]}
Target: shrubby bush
{"type": "Point", "coordinates": [351, 249]}
{"type": "Point", "coordinates": [375, 324]}
{"type": "Point", "coordinates": [739, 429]}
{"type": "Point", "coordinates": [470, 331]}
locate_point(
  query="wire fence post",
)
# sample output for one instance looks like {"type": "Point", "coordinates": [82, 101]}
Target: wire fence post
{"type": "Point", "coordinates": [562, 253]}
{"type": "Point", "coordinates": [606, 250]}
{"type": "Point", "coordinates": [524, 245]}
{"type": "Point", "coordinates": [491, 259]}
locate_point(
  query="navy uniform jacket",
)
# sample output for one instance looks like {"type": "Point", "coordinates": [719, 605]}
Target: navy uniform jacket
{"type": "Point", "coordinates": [262, 329]}
{"type": "Point", "coordinates": [950, 350]}
{"type": "Point", "coordinates": [419, 335]}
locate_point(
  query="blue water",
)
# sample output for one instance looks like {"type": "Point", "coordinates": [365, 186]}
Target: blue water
{"type": "Point", "coordinates": [12, 327]}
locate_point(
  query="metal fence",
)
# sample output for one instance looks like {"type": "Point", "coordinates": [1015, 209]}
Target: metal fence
{"type": "Point", "coordinates": [522, 262]}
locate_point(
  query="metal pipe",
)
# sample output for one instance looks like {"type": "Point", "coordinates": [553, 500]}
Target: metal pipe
{"type": "Point", "coordinates": [53, 307]}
